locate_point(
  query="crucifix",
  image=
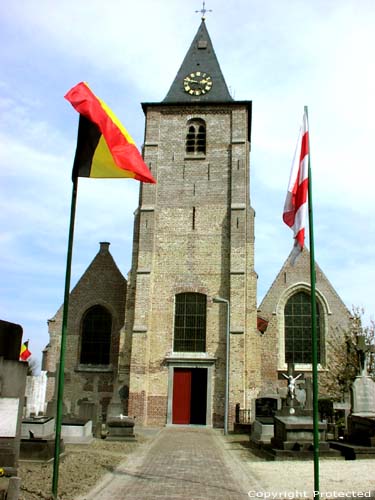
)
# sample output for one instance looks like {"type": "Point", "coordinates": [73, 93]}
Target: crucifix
{"type": "Point", "coordinates": [203, 11]}
{"type": "Point", "coordinates": [292, 384]}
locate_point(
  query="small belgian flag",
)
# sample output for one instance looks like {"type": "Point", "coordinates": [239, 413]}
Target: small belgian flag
{"type": "Point", "coordinates": [25, 353]}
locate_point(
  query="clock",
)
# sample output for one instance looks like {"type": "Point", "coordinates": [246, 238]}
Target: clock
{"type": "Point", "coordinates": [197, 83]}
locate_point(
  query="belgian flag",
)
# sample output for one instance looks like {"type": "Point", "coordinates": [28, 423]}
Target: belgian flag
{"type": "Point", "coordinates": [104, 147]}
{"type": "Point", "coordinates": [25, 353]}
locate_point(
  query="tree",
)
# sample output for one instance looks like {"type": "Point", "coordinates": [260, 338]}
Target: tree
{"type": "Point", "coordinates": [33, 366]}
{"type": "Point", "coordinates": [355, 356]}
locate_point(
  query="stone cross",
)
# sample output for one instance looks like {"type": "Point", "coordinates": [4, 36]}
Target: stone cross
{"type": "Point", "coordinates": [364, 351]}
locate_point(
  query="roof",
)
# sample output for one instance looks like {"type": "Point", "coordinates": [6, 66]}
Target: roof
{"type": "Point", "coordinates": [200, 60]}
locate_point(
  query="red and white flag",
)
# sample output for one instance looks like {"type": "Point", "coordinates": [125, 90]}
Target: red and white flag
{"type": "Point", "coordinates": [295, 207]}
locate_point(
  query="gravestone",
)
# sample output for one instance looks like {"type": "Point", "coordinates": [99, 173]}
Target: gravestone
{"type": "Point", "coordinates": [35, 393]}
{"type": "Point", "coordinates": [120, 427]}
{"type": "Point", "coordinates": [360, 439]}
{"type": "Point", "coordinates": [293, 424]}
{"type": "Point", "coordinates": [38, 439]}
{"type": "Point", "coordinates": [363, 396]}
{"type": "Point", "coordinates": [361, 422]}
{"type": "Point", "coordinates": [10, 340]}
{"type": "Point", "coordinates": [39, 427]}
{"type": "Point", "coordinates": [291, 404]}
{"type": "Point", "coordinates": [265, 408]}
{"type": "Point", "coordinates": [12, 390]}
{"type": "Point", "coordinates": [76, 430]}
{"type": "Point", "coordinates": [262, 428]}
{"type": "Point", "coordinates": [87, 410]}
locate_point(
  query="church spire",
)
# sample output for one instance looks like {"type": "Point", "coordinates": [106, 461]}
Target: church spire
{"type": "Point", "coordinates": [199, 78]}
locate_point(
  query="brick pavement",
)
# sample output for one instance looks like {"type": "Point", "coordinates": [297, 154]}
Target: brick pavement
{"type": "Point", "coordinates": [183, 463]}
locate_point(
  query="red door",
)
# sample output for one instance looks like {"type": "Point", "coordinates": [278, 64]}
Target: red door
{"type": "Point", "coordinates": [181, 396]}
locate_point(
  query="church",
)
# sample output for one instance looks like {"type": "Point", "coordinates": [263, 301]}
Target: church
{"type": "Point", "coordinates": [182, 340]}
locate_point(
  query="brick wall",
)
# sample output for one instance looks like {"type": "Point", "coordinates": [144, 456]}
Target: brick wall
{"type": "Point", "coordinates": [101, 284]}
{"type": "Point", "coordinates": [194, 232]}
{"type": "Point", "coordinates": [335, 321]}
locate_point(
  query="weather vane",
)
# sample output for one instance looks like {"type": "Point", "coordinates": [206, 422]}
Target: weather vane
{"type": "Point", "coordinates": [203, 11]}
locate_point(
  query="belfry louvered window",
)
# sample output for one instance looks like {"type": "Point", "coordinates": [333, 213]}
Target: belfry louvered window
{"type": "Point", "coordinates": [297, 316]}
{"type": "Point", "coordinates": [96, 336]}
{"type": "Point", "coordinates": [190, 322]}
{"type": "Point", "coordinates": [196, 137]}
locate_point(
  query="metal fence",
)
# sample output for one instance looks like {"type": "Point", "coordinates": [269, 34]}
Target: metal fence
{"type": "Point", "coordinates": [243, 415]}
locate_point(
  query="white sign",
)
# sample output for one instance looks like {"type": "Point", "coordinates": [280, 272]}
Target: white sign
{"type": "Point", "coordinates": [8, 416]}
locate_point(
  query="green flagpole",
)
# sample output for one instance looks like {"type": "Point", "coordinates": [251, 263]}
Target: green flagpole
{"type": "Point", "coordinates": [60, 380]}
{"type": "Point", "coordinates": [314, 338]}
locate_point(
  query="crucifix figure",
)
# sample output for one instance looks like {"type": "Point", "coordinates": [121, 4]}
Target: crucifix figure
{"type": "Point", "coordinates": [291, 384]}
{"type": "Point", "coordinates": [203, 11]}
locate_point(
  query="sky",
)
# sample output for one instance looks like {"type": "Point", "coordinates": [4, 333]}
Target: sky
{"type": "Point", "coordinates": [280, 54]}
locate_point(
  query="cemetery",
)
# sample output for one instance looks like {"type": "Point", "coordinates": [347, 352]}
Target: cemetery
{"type": "Point", "coordinates": [281, 430]}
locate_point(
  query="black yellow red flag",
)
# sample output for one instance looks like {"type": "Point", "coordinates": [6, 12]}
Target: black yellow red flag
{"type": "Point", "coordinates": [105, 149]}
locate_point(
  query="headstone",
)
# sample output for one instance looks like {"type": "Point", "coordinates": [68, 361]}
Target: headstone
{"type": "Point", "coordinates": [361, 422]}
{"type": "Point", "coordinates": [363, 392]}
{"type": "Point", "coordinates": [36, 386]}
{"type": "Point", "coordinates": [262, 428]}
{"type": "Point", "coordinates": [76, 430]}
{"type": "Point", "coordinates": [38, 427]}
{"type": "Point", "coordinates": [361, 430]}
{"type": "Point", "coordinates": [261, 432]}
{"type": "Point", "coordinates": [115, 407]}
{"type": "Point", "coordinates": [12, 391]}
{"type": "Point", "coordinates": [10, 340]}
{"type": "Point", "coordinates": [87, 410]}
{"type": "Point", "coordinates": [291, 405]}
{"type": "Point", "coordinates": [293, 424]}
{"type": "Point", "coordinates": [120, 427]}
{"type": "Point", "coordinates": [265, 407]}
{"type": "Point", "coordinates": [9, 408]}
{"type": "Point", "coordinates": [39, 449]}
{"type": "Point", "coordinates": [295, 433]}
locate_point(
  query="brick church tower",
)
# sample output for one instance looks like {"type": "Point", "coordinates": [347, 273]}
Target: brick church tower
{"type": "Point", "coordinates": [193, 243]}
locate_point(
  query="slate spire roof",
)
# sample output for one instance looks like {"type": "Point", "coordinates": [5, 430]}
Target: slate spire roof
{"type": "Point", "coordinates": [201, 58]}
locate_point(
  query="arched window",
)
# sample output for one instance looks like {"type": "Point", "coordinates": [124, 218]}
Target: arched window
{"type": "Point", "coordinates": [196, 137]}
{"type": "Point", "coordinates": [297, 315]}
{"type": "Point", "coordinates": [96, 336]}
{"type": "Point", "coordinates": [190, 323]}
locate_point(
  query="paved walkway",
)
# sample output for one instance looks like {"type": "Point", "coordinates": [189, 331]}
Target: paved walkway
{"type": "Point", "coordinates": [187, 463]}
{"type": "Point", "coordinates": [183, 463]}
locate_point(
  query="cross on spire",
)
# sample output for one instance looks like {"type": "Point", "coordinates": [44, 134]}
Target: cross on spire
{"type": "Point", "coordinates": [203, 11]}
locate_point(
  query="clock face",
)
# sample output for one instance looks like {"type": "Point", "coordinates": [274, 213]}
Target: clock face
{"type": "Point", "coordinates": [197, 83]}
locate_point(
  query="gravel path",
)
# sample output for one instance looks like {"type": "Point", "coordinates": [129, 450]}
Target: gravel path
{"type": "Point", "coordinates": [295, 479]}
